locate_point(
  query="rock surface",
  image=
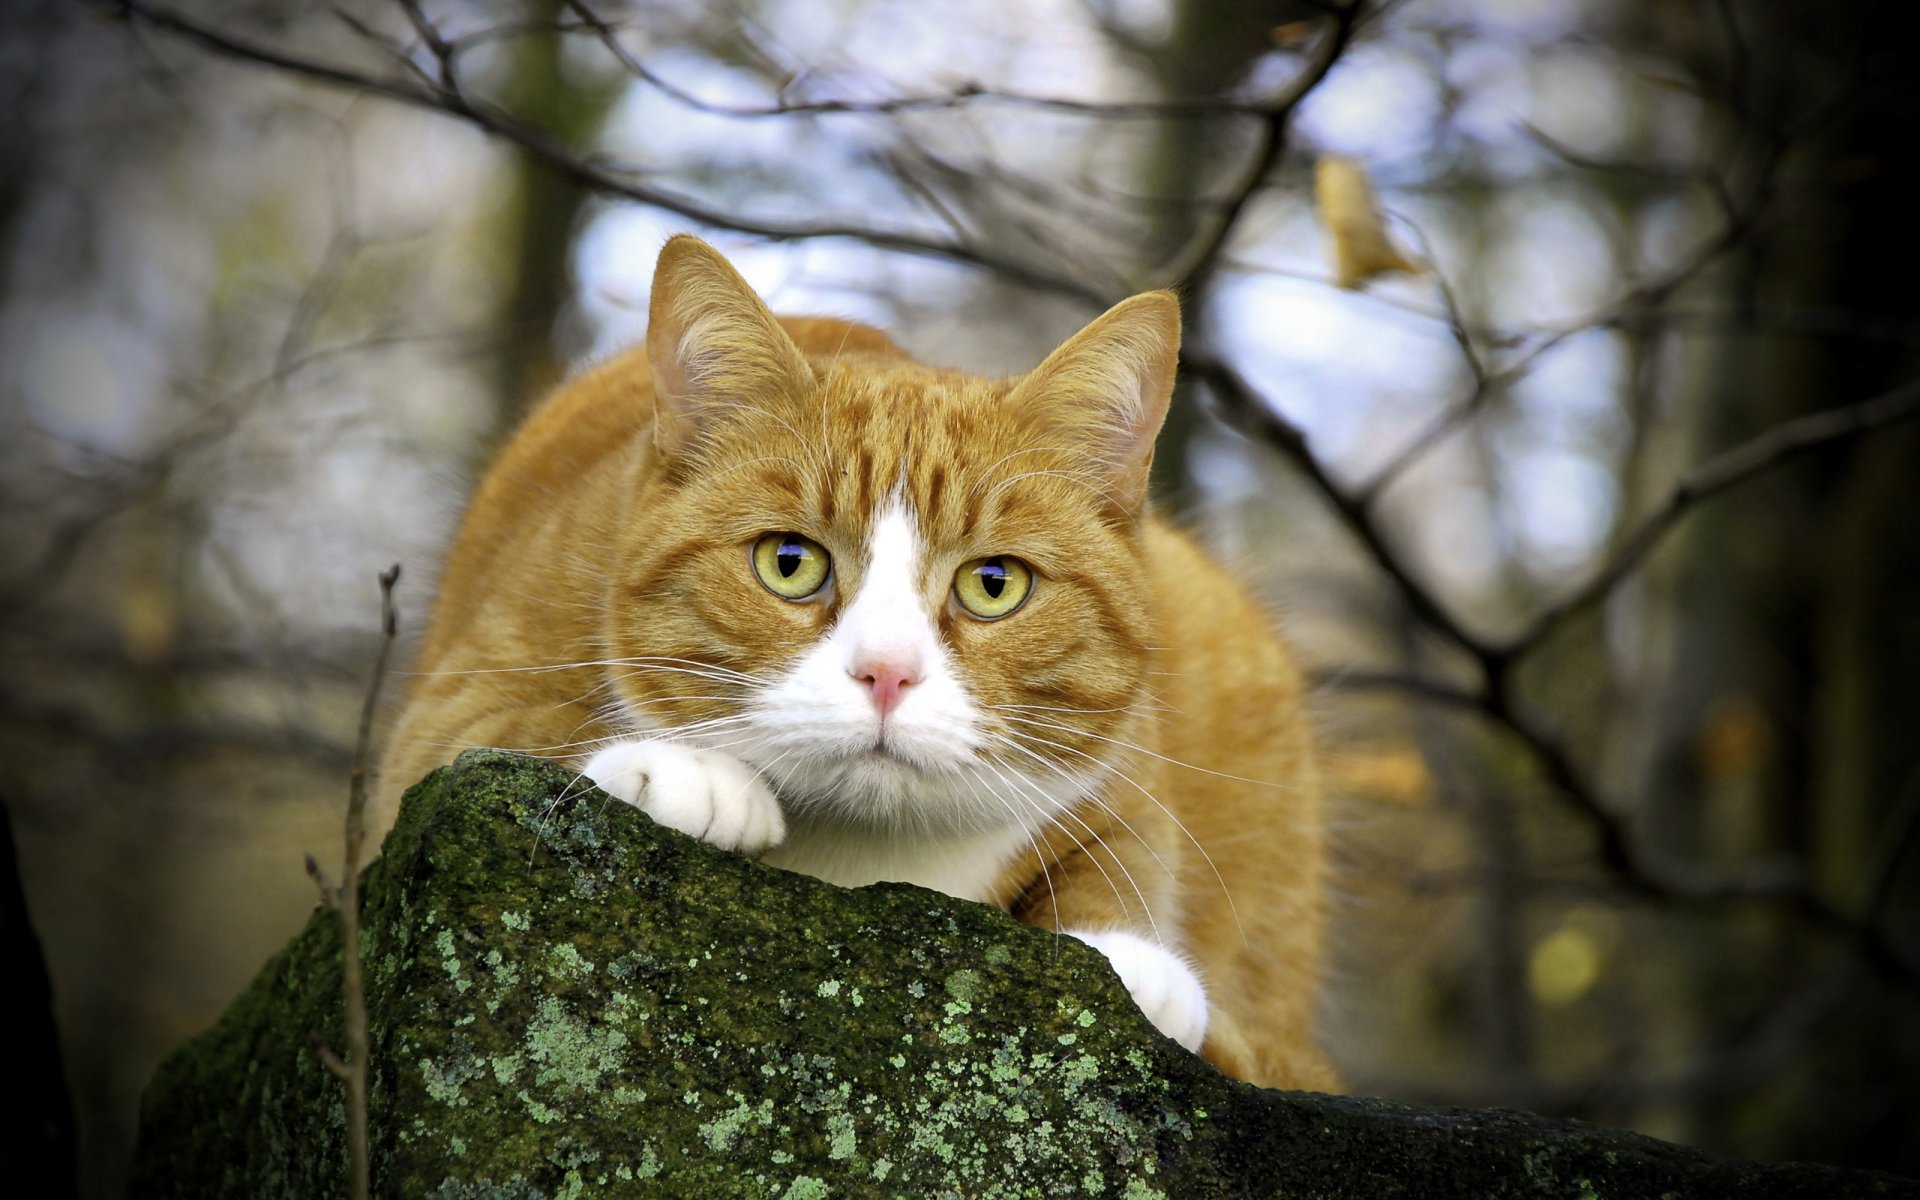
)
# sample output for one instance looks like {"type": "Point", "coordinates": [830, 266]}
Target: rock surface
{"type": "Point", "coordinates": [567, 1000]}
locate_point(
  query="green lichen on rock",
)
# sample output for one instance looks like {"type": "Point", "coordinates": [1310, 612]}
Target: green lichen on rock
{"type": "Point", "coordinates": [567, 1000]}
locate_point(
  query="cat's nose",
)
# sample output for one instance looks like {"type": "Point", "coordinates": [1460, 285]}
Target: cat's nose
{"type": "Point", "coordinates": [887, 680]}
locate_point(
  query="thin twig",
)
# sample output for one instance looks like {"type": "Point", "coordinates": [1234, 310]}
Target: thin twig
{"type": "Point", "coordinates": [330, 1060]}
{"type": "Point", "coordinates": [1738, 224]}
{"type": "Point", "coordinates": [607, 32]}
{"type": "Point", "coordinates": [435, 44]}
{"type": "Point", "coordinates": [329, 894]}
{"type": "Point", "coordinates": [1241, 406]}
{"type": "Point", "coordinates": [589, 173]}
{"type": "Point", "coordinates": [347, 905]}
{"type": "Point", "coordinates": [1196, 264]}
{"type": "Point", "coordinates": [1432, 691]}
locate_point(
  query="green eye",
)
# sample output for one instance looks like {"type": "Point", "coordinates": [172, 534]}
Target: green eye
{"type": "Point", "coordinates": [990, 588]}
{"type": "Point", "coordinates": [790, 566]}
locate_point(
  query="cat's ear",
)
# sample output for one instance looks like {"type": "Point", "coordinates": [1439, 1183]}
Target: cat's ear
{"type": "Point", "coordinates": [712, 345]}
{"type": "Point", "coordinates": [1109, 386]}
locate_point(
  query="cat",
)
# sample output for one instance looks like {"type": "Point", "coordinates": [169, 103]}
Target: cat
{"type": "Point", "coordinates": [794, 593]}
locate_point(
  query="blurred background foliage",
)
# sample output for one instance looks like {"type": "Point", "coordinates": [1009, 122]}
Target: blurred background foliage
{"type": "Point", "coordinates": [1597, 529]}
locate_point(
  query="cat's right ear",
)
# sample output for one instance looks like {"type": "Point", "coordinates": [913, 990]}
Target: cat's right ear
{"type": "Point", "coordinates": [1108, 388]}
{"type": "Point", "coordinates": [712, 345]}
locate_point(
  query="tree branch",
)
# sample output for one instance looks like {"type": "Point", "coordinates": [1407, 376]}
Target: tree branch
{"type": "Point", "coordinates": [592, 175]}
{"type": "Point", "coordinates": [1709, 479]}
{"type": "Point", "coordinates": [1197, 263]}
{"type": "Point", "coordinates": [1619, 850]}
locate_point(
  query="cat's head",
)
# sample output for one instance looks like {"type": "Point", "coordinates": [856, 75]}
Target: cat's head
{"type": "Point", "coordinates": [912, 597]}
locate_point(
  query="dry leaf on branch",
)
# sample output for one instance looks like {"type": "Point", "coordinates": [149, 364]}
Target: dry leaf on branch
{"type": "Point", "coordinates": [1356, 230]}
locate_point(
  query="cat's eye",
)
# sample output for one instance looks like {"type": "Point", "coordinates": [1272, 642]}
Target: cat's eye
{"type": "Point", "coordinates": [991, 588]}
{"type": "Point", "coordinates": [790, 566]}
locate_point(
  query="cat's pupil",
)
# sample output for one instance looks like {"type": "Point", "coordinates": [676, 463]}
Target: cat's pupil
{"type": "Point", "coordinates": [993, 578]}
{"type": "Point", "coordinates": [789, 558]}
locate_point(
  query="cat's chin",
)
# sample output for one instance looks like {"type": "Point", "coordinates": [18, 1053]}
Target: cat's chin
{"type": "Point", "coordinates": [885, 790]}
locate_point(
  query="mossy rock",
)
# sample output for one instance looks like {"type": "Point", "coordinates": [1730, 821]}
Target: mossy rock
{"type": "Point", "coordinates": [568, 1000]}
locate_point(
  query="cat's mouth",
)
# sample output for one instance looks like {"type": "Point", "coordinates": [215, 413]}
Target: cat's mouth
{"type": "Point", "coordinates": [893, 748]}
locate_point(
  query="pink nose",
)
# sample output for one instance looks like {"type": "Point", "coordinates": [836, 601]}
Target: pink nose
{"type": "Point", "coordinates": [888, 681]}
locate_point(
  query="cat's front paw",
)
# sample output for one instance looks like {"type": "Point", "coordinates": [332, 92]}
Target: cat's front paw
{"type": "Point", "coordinates": [1165, 988]}
{"type": "Point", "coordinates": [705, 794]}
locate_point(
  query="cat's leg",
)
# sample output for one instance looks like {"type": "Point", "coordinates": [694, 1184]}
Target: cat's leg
{"type": "Point", "coordinates": [706, 794]}
{"type": "Point", "coordinates": [1160, 981]}
{"type": "Point", "coordinates": [1097, 878]}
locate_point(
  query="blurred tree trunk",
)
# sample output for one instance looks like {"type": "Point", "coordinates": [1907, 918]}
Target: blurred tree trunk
{"type": "Point", "coordinates": [540, 216]}
{"type": "Point", "coordinates": [1210, 49]}
{"type": "Point", "coordinates": [1855, 752]}
{"type": "Point", "coordinates": [1788, 722]}
{"type": "Point", "coordinates": [23, 71]}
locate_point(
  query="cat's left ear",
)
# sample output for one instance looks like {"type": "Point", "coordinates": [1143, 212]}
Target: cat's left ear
{"type": "Point", "coordinates": [712, 345]}
{"type": "Point", "coordinates": [1109, 386]}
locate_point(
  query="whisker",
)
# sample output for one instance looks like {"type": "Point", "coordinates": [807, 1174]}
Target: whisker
{"type": "Point", "coordinates": [1031, 833]}
{"type": "Point", "coordinates": [1126, 745]}
{"type": "Point", "coordinates": [1084, 478]}
{"type": "Point", "coordinates": [549, 751]}
{"type": "Point", "coordinates": [1137, 708]}
{"type": "Point", "coordinates": [1145, 908]}
{"type": "Point", "coordinates": [987, 474]}
{"type": "Point", "coordinates": [1225, 891]}
{"type": "Point", "coordinates": [689, 666]}
{"type": "Point", "coordinates": [1092, 795]}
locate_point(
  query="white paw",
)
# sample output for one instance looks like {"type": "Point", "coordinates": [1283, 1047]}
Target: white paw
{"type": "Point", "coordinates": [1165, 988]}
{"type": "Point", "coordinates": [705, 794]}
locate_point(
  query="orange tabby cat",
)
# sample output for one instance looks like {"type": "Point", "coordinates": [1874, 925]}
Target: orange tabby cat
{"type": "Point", "coordinates": [793, 593]}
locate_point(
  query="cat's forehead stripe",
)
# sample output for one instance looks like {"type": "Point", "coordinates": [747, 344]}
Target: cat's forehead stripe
{"type": "Point", "coordinates": [862, 479]}
{"type": "Point", "coordinates": [936, 484]}
{"type": "Point", "coordinates": [955, 452]}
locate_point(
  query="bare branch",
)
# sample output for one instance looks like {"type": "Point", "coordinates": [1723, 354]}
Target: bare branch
{"type": "Point", "coordinates": [1196, 264]}
{"type": "Point", "coordinates": [1707, 480]}
{"type": "Point", "coordinates": [1695, 175]}
{"type": "Point", "coordinates": [331, 1061]}
{"type": "Point", "coordinates": [1633, 304]}
{"type": "Point", "coordinates": [329, 894]}
{"type": "Point", "coordinates": [435, 44]}
{"type": "Point", "coordinates": [1352, 679]}
{"type": "Point", "coordinates": [1242, 407]}
{"type": "Point", "coordinates": [1179, 107]}
{"type": "Point", "coordinates": [1620, 851]}
{"type": "Point", "coordinates": [556, 155]}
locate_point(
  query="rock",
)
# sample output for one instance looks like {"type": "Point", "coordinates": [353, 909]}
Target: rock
{"type": "Point", "coordinates": [37, 1145]}
{"type": "Point", "coordinates": [568, 1000]}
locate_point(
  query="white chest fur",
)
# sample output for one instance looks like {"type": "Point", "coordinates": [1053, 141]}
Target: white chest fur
{"type": "Point", "coordinates": [963, 865]}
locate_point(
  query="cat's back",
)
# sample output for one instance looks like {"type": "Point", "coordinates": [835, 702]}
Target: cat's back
{"type": "Point", "coordinates": [1215, 640]}
{"type": "Point", "coordinates": [1232, 699]}
{"type": "Point", "coordinates": [1235, 764]}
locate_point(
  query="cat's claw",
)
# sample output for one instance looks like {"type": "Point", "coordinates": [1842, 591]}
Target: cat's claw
{"type": "Point", "coordinates": [1164, 986]}
{"type": "Point", "coordinates": [706, 794]}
